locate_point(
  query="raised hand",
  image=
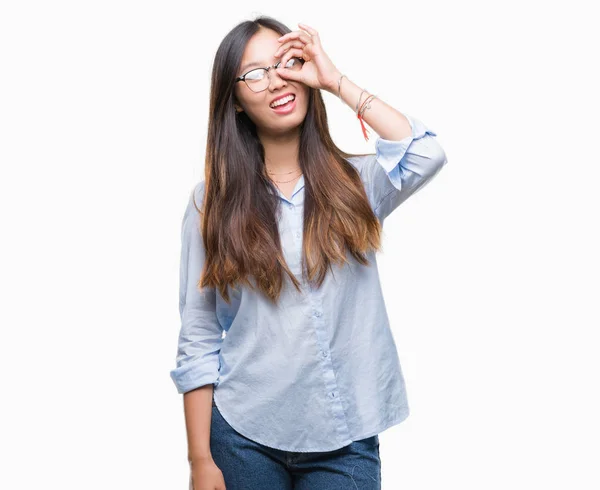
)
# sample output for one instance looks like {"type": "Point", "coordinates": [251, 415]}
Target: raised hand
{"type": "Point", "coordinates": [318, 71]}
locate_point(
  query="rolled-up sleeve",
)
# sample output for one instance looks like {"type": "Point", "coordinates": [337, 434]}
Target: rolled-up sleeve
{"type": "Point", "coordinates": [400, 168]}
{"type": "Point", "coordinates": [200, 334]}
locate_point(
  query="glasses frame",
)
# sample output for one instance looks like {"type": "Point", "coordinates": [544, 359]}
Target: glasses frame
{"type": "Point", "coordinates": [242, 78]}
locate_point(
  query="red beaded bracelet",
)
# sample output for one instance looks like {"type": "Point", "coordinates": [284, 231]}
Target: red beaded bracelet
{"type": "Point", "coordinates": [365, 105]}
{"type": "Point", "coordinates": [361, 110]}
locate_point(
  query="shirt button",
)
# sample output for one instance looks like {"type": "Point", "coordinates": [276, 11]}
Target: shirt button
{"type": "Point", "coordinates": [318, 313]}
{"type": "Point", "coordinates": [290, 205]}
{"type": "Point", "coordinates": [324, 353]}
{"type": "Point", "coordinates": [297, 234]}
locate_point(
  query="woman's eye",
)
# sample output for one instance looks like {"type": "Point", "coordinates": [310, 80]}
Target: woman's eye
{"type": "Point", "coordinates": [255, 75]}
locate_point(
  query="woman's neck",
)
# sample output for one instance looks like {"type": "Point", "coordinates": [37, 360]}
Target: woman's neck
{"type": "Point", "coordinates": [281, 153]}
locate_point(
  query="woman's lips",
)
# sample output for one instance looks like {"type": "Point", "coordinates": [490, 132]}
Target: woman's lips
{"type": "Point", "coordinates": [286, 108]}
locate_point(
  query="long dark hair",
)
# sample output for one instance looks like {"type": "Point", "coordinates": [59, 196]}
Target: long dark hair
{"type": "Point", "coordinates": [239, 216]}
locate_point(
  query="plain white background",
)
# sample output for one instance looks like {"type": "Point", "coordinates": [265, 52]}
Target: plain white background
{"type": "Point", "coordinates": [490, 273]}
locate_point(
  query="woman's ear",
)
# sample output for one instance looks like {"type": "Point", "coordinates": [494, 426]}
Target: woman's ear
{"type": "Point", "coordinates": [238, 107]}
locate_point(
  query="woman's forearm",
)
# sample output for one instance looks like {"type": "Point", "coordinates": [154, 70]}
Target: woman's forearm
{"type": "Point", "coordinates": [387, 122]}
{"type": "Point", "coordinates": [198, 414]}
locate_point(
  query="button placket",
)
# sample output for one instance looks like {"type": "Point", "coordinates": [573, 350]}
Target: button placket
{"type": "Point", "coordinates": [329, 377]}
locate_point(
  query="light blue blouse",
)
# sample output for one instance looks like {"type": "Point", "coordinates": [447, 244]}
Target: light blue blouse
{"type": "Point", "coordinates": [320, 369]}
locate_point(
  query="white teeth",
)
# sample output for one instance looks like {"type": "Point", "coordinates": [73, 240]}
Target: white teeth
{"type": "Point", "coordinates": [283, 101]}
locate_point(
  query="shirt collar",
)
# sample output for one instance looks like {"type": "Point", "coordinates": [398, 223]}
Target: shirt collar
{"type": "Point", "coordinates": [297, 189]}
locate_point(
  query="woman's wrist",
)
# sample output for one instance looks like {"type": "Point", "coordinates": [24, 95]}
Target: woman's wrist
{"type": "Point", "coordinates": [333, 88]}
{"type": "Point", "coordinates": [200, 458]}
{"type": "Point", "coordinates": [350, 93]}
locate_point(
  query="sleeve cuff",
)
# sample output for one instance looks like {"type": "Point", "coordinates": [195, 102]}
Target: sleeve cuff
{"type": "Point", "coordinates": [389, 152]}
{"type": "Point", "coordinates": [195, 374]}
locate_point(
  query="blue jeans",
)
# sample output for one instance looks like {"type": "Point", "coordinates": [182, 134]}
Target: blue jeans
{"type": "Point", "coordinates": [248, 465]}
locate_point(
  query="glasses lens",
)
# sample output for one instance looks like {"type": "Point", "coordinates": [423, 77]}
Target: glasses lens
{"type": "Point", "coordinates": [258, 80]}
{"type": "Point", "coordinates": [294, 64]}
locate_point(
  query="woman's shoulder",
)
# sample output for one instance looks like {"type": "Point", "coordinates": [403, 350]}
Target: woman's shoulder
{"type": "Point", "coordinates": [196, 192]}
{"type": "Point", "coordinates": [195, 199]}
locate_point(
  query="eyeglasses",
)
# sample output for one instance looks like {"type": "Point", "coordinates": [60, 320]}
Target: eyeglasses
{"type": "Point", "coordinates": [257, 79]}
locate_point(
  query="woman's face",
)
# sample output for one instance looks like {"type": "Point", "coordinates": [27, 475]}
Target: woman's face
{"type": "Point", "coordinates": [260, 50]}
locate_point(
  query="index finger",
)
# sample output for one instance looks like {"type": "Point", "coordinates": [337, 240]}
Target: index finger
{"type": "Point", "coordinates": [295, 35]}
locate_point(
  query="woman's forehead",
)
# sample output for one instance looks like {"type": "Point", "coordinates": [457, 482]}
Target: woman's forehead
{"type": "Point", "coordinates": [260, 50]}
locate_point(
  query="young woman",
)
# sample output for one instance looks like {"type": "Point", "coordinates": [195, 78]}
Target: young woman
{"type": "Point", "coordinates": [285, 356]}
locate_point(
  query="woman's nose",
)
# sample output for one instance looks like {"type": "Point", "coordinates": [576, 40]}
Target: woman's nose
{"type": "Point", "coordinates": [275, 79]}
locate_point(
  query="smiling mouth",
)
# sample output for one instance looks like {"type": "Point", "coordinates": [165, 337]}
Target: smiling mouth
{"type": "Point", "coordinates": [290, 99]}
